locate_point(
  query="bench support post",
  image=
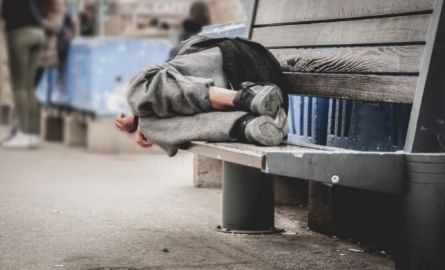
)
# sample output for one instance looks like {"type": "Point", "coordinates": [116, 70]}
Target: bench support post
{"type": "Point", "coordinates": [422, 225]}
{"type": "Point", "coordinates": [422, 241]}
{"type": "Point", "coordinates": [248, 200]}
{"type": "Point", "coordinates": [207, 172]}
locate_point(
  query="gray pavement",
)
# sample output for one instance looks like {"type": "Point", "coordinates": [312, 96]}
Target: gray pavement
{"type": "Point", "coordinates": [64, 208]}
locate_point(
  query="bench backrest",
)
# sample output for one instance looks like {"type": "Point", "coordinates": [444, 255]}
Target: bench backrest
{"type": "Point", "coordinates": [373, 50]}
{"type": "Point", "coordinates": [356, 49]}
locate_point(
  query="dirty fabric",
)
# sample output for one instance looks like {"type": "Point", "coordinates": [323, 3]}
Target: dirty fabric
{"type": "Point", "coordinates": [172, 133]}
{"type": "Point", "coordinates": [178, 87]}
{"type": "Point", "coordinates": [173, 104]}
{"type": "Point", "coordinates": [243, 60]}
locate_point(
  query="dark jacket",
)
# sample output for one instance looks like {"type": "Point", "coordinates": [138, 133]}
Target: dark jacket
{"type": "Point", "coordinates": [21, 13]}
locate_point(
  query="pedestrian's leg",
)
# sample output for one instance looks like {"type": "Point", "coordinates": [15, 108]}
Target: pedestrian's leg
{"type": "Point", "coordinates": [19, 53]}
{"type": "Point", "coordinates": [39, 76]}
{"type": "Point", "coordinates": [33, 62]}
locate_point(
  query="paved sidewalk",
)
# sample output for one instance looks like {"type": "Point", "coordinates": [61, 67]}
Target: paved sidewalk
{"type": "Point", "coordinates": [64, 208]}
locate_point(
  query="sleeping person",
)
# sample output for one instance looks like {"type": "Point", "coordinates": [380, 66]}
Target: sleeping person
{"type": "Point", "coordinates": [216, 90]}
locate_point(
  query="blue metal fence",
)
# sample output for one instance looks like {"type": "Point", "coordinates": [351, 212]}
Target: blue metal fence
{"type": "Point", "coordinates": [367, 126]}
{"type": "Point", "coordinates": [98, 71]}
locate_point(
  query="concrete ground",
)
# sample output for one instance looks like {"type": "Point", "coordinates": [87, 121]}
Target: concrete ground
{"type": "Point", "coordinates": [64, 208]}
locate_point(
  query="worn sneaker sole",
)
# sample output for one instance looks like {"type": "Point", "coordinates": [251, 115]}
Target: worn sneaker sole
{"type": "Point", "coordinates": [267, 100]}
{"type": "Point", "coordinates": [265, 130]}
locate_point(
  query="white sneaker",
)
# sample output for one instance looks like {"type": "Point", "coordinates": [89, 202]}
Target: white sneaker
{"type": "Point", "coordinates": [35, 141]}
{"type": "Point", "coordinates": [19, 141]}
{"type": "Point", "coordinates": [6, 135]}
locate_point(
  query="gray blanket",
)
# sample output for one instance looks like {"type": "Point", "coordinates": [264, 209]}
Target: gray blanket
{"type": "Point", "coordinates": [173, 103]}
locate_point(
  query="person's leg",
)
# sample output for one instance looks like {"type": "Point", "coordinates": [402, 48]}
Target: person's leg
{"type": "Point", "coordinates": [170, 133]}
{"type": "Point", "coordinates": [39, 75]}
{"type": "Point", "coordinates": [24, 47]}
{"type": "Point", "coordinates": [221, 98]}
{"type": "Point", "coordinates": [33, 63]}
{"type": "Point", "coordinates": [259, 99]}
{"type": "Point", "coordinates": [216, 126]}
{"type": "Point", "coordinates": [163, 91]}
{"type": "Point", "coordinates": [19, 53]}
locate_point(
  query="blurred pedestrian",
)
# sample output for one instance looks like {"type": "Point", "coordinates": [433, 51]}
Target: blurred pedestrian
{"type": "Point", "coordinates": [88, 20]}
{"type": "Point", "coordinates": [53, 18]}
{"type": "Point", "coordinates": [199, 16]}
{"type": "Point", "coordinates": [27, 22]}
{"type": "Point", "coordinates": [25, 43]}
{"type": "Point", "coordinates": [4, 76]}
{"type": "Point", "coordinates": [59, 28]}
{"type": "Point", "coordinates": [64, 38]}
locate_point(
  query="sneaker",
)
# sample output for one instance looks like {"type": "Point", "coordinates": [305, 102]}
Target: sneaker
{"type": "Point", "coordinates": [259, 99]}
{"type": "Point", "coordinates": [264, 130]}
{"type": "Point", "coordinates": [34, 141]}
{"type": "Point", "coordinates": [19, 141]}
{"type": "Point", "coordinates": [8, 135]}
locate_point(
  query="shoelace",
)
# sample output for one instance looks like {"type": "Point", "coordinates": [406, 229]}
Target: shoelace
{"type": "Point", "coordinates": [245, 97]}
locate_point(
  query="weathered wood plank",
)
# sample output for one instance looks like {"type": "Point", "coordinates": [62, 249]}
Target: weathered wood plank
{"type": "Point", "coordinates": [244, 154]}
{"type": "Point", "coordinates": [399, 89]}
{"type": "Point", "coordinates": [389, 59]}
{"type": "Point", "coordinates": [369, 31]}
{"type": "Point", "coordinates": [285, 11]}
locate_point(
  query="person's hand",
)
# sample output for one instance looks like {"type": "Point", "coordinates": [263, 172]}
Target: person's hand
{"type": "Point", "coordinates": [141, 140]}
{"type": "Point", "coordinates": [125, 122]}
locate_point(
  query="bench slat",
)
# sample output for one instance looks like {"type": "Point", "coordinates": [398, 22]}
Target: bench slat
{"type": "Point", "coordinates": [399, 89]}
{"type": "Point", "coordinates": [243, 154]}
{"type": "Point", "coordinates": [314, 10]}
{"type": "Point", "coordinates": [394, 30]}
{"type": "Point", "coordinates": [228, 152]}
{"type": "Point", "coordinates": [388, 59]}
{"type": "Point", "coordinates": [377, 171]}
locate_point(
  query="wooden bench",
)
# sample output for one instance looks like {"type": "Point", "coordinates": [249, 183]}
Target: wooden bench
{"type": "Point", "coordinates": [380, 50]}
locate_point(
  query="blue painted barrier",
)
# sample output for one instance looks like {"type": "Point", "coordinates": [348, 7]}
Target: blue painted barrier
{"type": "Point", "coordinates": [98, 71]}
{"type": "Point", "coordinates": [307, 120]}
{"type": "Point", "coordinates": [367, 126]}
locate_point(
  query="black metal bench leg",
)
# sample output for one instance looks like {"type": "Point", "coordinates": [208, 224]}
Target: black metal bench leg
{"type": "Point", "coordinates": [248, 200]}
{"type": "Point", "coordinates": [422, 243]}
